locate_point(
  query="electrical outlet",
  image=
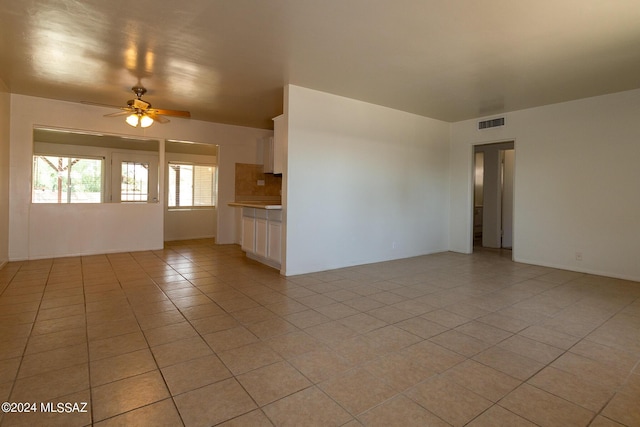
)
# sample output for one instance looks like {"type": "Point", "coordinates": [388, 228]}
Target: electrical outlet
{"type": "Point", "coordinates": [261, 182]}
{"type": "Point", "coordinates": [578, 256]}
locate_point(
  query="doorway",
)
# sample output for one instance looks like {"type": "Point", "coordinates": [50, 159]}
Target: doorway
{"type": "Point", "coordinates": [493, 172]}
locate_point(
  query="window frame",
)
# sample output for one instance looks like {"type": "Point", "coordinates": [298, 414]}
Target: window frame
{"type": "Point", "coordinates": [83, 144]}
{"type": "Point", "coordinates": [70, 157]}
{"type": "Point", "coordinates": [133, 196]}
{"type": "Point", "coordinates": [194, 164]}
{"type": "Point", "coordinates": [117, 158]}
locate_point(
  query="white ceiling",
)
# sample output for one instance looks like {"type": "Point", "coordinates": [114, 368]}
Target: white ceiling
{"type": "Point", "coordinates": [228, 60]}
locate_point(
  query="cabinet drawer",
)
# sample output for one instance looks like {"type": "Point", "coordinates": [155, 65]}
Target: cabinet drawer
{"type": "Point", "coordinates": [275, 215]}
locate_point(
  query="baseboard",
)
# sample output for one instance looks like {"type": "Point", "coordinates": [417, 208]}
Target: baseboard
{"type": "Point", "coordinates": [577, 269]}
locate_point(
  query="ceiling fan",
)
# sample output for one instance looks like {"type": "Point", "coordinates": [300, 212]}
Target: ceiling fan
{"type": "Point", "coordinates": [140, 114]}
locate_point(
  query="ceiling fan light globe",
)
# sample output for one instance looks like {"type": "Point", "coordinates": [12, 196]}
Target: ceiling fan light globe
{"type": "Point", "coordinates": [145, 121]}
{"type": "Point", "coordinates": [132, 120]}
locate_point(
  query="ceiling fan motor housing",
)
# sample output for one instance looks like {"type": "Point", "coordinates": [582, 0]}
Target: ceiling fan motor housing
{"type": "Point", "coordinates": [138, 104]}
{"type": "Point", "coordinates": [139, 91]}
{"type": "Point", "coordinates": [142, 109]}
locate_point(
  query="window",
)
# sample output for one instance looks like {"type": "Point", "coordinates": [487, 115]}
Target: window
{"type": "Point", "coordinates": [67, 179]}
{"type": "Point", "coordinates": [135, 182]}
{"type": "Point", "coordinates": [191, 185]}
{"type": "Point", "coordinates": [72, 167]}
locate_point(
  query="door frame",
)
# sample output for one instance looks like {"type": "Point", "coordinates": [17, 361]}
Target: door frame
{"type": "Point", "coordinates": [501, 146]}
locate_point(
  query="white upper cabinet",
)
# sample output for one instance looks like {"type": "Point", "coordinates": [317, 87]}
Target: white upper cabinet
{"type": "Point", "coordinates": [279, 143]}
{"type": "Point", "coordinates": [268, 155]}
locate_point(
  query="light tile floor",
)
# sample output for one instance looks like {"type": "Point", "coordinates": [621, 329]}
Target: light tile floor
{"type": "Point", "coordinates": [198, 335]}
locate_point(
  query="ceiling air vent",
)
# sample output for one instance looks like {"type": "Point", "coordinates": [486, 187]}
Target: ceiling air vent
{"type": "Point", "coordinates": [486, 124]}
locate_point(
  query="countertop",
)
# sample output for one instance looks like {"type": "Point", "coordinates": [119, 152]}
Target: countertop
{"type": "Point", "coordinates": [256, 204]}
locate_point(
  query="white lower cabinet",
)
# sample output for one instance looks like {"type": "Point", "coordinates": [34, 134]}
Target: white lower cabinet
{"type": "Point", "coordinates": [274, 250]}
{"type": "Point", "coordinates": [248, 230]}
{"type": "Point", "coordinates": [261, 235]}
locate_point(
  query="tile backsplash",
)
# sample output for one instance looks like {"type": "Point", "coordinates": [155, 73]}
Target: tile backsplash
{"type": "Point", "coordinates": [248, 177]}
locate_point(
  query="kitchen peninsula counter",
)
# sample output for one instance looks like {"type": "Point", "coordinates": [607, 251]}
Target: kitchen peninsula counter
{"type": "Point", "coordinates": [257, 205]}
{"type": "Point", "coordinates": [261, 231]}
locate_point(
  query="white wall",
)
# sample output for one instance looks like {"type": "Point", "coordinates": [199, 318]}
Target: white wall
{"type": "Point", "coordinates": [37, 231]}
{"type": "Point", "coordinates": [364, 183]}
{"type": "Point", "coordinates": [190, 224]}
{"type": "Point", "coordinates": [576, 184]}
{"type": "Point", "coordinates": [5, 110]}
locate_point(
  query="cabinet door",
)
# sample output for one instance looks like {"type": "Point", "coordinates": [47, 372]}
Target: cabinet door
{"type": "Point", "coordinates": [268, 155]}
{"type": "Point", "coordinates": [274, 250]}
{"type": "Point", "coordinates": [261, 237]}
{"type": "Point", "coordinates": [248, 234]}
{"type": "Point", "coordinates": [279, 144]}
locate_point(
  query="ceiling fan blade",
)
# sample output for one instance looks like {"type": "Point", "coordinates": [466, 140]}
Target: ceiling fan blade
{"type": "Point", "coordinates": [97, 104]}
{"type": "Point", "coordinates": [175, 113]}
{"type": "Point", "coordinates": [142, 108]}
{"type": "Point", "coordinates": [125, 111]}
{"type": "Point", "coordinates": [156, 117]}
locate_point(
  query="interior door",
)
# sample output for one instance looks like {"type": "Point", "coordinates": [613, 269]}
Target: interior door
{"type": "Point", "coordinates": [508, 161]}
{"type": "Point", "coordinates": [494, 181]}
